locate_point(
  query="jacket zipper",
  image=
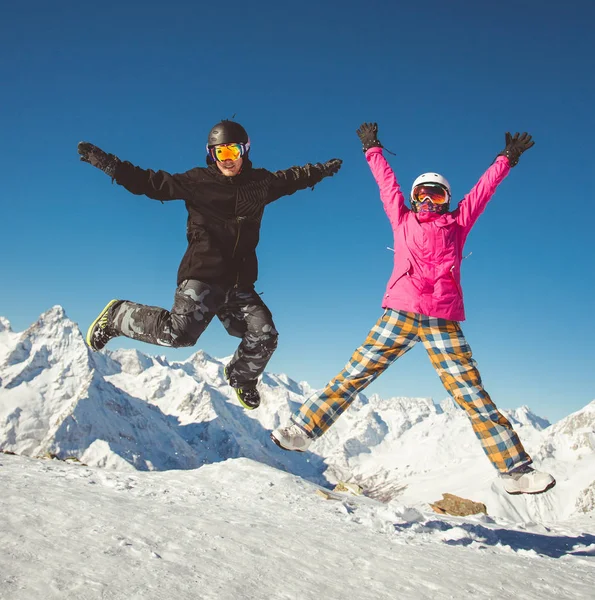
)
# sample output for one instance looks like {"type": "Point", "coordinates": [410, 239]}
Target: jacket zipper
{"type": "Point", "coordinates": [239, 222]}
{"type": "Point", "coordinates": [457, 284]}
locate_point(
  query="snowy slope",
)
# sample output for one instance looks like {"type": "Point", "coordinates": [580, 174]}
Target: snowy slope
{"type": "Point", "coordinates": [126, 410]}
{"type": "Point", "coordinates": [242, 530]}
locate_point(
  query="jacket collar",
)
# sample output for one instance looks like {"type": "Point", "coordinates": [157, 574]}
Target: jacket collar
{"type": "Point", "coordinates": [439, 220]}
{"type": "Point", "coordinates": [241, 177]}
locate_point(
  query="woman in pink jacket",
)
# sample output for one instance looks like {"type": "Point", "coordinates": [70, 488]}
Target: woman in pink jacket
{"type": "Point", "coordinates": [424, 302]}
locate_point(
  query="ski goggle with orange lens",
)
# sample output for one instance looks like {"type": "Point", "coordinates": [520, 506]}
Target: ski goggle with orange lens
{"type": "Point", "coordinates": [434, 193]}
{"type": "Point", "coordinates": [224, 152]}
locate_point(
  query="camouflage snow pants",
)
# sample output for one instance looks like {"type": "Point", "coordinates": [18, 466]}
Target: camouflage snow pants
{"type": "Point", "coordinates": [242, 313]}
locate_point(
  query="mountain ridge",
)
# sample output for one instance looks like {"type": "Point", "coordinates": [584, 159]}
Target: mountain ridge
{"type": "Point", "coordinates": [125, 409]}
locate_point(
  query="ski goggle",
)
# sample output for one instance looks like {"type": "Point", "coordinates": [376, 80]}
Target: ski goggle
{"type": "Point", "coordinates": [434, 193]}
{"type": "Point", "coordinates": [224, 152]}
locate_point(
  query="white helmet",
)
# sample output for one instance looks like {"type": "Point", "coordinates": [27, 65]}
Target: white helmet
{"type": "Point", "coordinates": [431, 178]}
{"type": "Point", "coordinates": [436, 179]}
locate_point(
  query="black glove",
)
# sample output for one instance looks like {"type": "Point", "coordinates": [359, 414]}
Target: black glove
{"type": "Point", "coordinates": [368, 134]}
{"type": "Point", "coordinates": [330, 167]}
{"type": "Point", "coordinates": [515, 145]}
{"type": "Point", "coordinates": [98, 158]}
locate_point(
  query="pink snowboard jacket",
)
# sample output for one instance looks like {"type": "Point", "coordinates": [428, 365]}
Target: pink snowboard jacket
{"type": "Point", "coordinates": [426, 276]}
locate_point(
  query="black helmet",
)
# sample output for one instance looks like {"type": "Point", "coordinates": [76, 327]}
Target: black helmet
{"type": "Point", "coordinates": [227, 132]}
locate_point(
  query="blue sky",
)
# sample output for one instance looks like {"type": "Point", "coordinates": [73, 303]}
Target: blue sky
{"type": "Point", "coordinates": [444, 80]}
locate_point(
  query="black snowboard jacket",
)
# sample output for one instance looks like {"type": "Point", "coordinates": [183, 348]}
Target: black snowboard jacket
{"type": "Point", "coordinates": [224, 213]}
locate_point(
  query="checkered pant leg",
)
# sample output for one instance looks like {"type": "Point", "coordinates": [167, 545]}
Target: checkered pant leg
{"type": "Point", "coordinates": [451, 356]}
{"type": "Point", "coordinates": [392, 335]}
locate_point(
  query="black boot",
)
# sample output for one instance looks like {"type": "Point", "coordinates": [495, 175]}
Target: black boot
{"type": "Point", "coordinates": [247, 393]}
{"type": "Point", "coordinates": [100, 332]}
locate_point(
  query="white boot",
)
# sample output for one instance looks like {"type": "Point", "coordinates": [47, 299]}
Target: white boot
{"type": "Point", "coordinates": [291, 437]}
{"type": "Point", "coordinates": [526, 480]}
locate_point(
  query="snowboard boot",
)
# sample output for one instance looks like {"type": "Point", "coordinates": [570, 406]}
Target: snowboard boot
{"type": "Point", "coordinates": [100, 333]}
{"type": "Point", "coordinates": [526, 480]}
{"type": "Point", "coordinates": [246, 394]}
{"type": "Point", "coordinates": [291, 437]}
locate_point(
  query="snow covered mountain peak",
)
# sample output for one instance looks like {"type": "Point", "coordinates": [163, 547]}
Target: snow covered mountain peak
{"type": "Point", "coordinates": [582, 421]}
{"type": "Point", "coordinates": [201, 358]}
{"type": "Point", "coordinates": [524, 416]}
{"type": "Point", "coordinates": [127, 410]}
{"type": "Point", "coordinates": [577, 432]}
{"type": "Point", "coordinates": [54, 314]}
{"type": "Point", "coordinates": [52, 341]}
{"type": "Point", "coordinates": [5, 325]}
{"type": "Point", "coordinates": [53, 329]}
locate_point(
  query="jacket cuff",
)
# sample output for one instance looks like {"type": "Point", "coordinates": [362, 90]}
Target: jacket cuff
{"type": "Point", "coordinates": [373, 150]}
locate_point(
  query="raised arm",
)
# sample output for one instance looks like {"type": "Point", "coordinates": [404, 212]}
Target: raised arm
{"type": "Point", "coordinates": [390, 191]}
{"type": "Point", "coordinates": [477, 199]}
{"type": "Point", "coordinates": [291, 180]}
{"type": "Point", "coordinates": [158, 185]}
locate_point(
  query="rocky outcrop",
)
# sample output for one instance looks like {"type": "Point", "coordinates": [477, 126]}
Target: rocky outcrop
{"type": "Point", "coordinates": [457, 506]}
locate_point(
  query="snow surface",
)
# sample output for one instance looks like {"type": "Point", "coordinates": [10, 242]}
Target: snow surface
{"type": "Point", "coordinates": [179, 493]}
{"type": "Point", "coordinates": [242, 530]}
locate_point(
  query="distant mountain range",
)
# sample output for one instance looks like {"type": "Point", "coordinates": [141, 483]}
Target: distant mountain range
{"type": "Point", "coordinates": [126, 410]}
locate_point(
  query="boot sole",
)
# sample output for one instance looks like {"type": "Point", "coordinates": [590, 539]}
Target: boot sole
{"type": "Point", "coordinates": [92, 326]}
{"type": "Point", "coordinates": [549, 487]}
{"type": "Point", "coordinates": [244, 404]}
{"type": "Point", "coordinates": [283, 447]}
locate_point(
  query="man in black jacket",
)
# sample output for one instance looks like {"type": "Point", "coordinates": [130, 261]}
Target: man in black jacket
{"type": "Point", "coordinates": [225, 203]}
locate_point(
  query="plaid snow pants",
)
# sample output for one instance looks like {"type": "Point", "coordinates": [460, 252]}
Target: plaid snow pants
{"type": "Point", "coordinates": [395, 333]}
